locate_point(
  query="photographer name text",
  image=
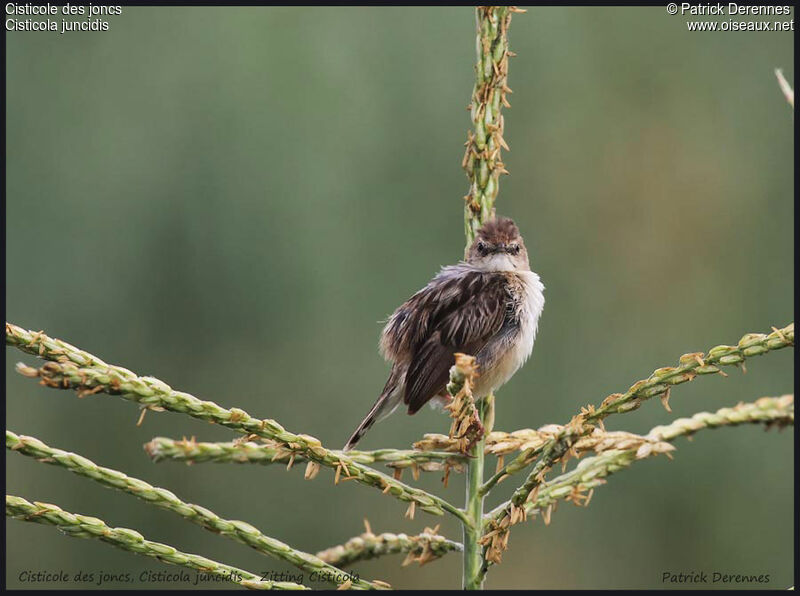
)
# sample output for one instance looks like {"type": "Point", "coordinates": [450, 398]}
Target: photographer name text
{"type": "Point", "coordinates": [714, 577]}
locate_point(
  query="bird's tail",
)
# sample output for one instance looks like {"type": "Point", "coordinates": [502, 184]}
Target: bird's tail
{"type": "Point", "coordinates": [385, 405]}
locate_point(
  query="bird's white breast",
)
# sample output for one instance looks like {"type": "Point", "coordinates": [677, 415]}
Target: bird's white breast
{"type": "Point", "coordinates": [529, 308]}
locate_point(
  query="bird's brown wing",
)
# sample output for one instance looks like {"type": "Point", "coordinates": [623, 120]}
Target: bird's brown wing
{"type": "Point", "coordinates": [464, 313]}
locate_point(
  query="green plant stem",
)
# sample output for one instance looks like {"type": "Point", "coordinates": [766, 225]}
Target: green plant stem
{"type": "Point", "coordinates": [482, 160]}
{"type": "Point", "coordinates": [83, 526]}
{"type": "Point", "coordinates": [237, 530]}
{"type": "Point", "coordinates": [483, 164]}
{"type": "Point", "coordinates": [658, 384]}
{"type": "Point", "coordinates": [248, 452]}
{"type": "Point", "coordinates": [71, 368]}
{"type": "Point", "coordinates": [501, 443]}
{"type": "Point", "coordinates": [422, 548]}
{"type": "Point", "coordinates": [474, 509]}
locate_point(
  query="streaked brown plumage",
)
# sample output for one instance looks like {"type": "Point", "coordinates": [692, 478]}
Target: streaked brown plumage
{"type": "Point", "coordinates": [487, 306]}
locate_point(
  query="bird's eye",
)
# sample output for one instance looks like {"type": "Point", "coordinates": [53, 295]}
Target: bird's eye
{"type": "Point", "coordinates": [483, 250]}
{"type": "Point", "coordinates": [513, 248]}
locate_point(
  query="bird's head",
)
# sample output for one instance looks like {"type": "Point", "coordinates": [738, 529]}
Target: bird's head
{"type": "Point", "coordinates": [498, 246]}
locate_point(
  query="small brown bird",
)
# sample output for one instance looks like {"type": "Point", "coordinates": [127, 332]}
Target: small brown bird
{"type": "Point", "coordinates": [487, 306]}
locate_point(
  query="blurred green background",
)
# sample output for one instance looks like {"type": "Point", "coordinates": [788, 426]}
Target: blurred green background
{"type": "Point", "coordinates": [231, 199]}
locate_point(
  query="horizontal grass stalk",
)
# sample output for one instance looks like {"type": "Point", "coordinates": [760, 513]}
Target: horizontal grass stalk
{"type": "Point", "coordinates": [84, 526]}
{"type": "Point", "coordinates": [657, 384]}
{"type": "Point", "coordinates": [266, 453]}
{"type": "Point", "coordinates": [237, 530]}
{"type": "Point", "coordinates": [71, 368]}
{"type": "Point", "coordinates": [577, 484]}
{"type": "Point", "coordinates": [421, 548]}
